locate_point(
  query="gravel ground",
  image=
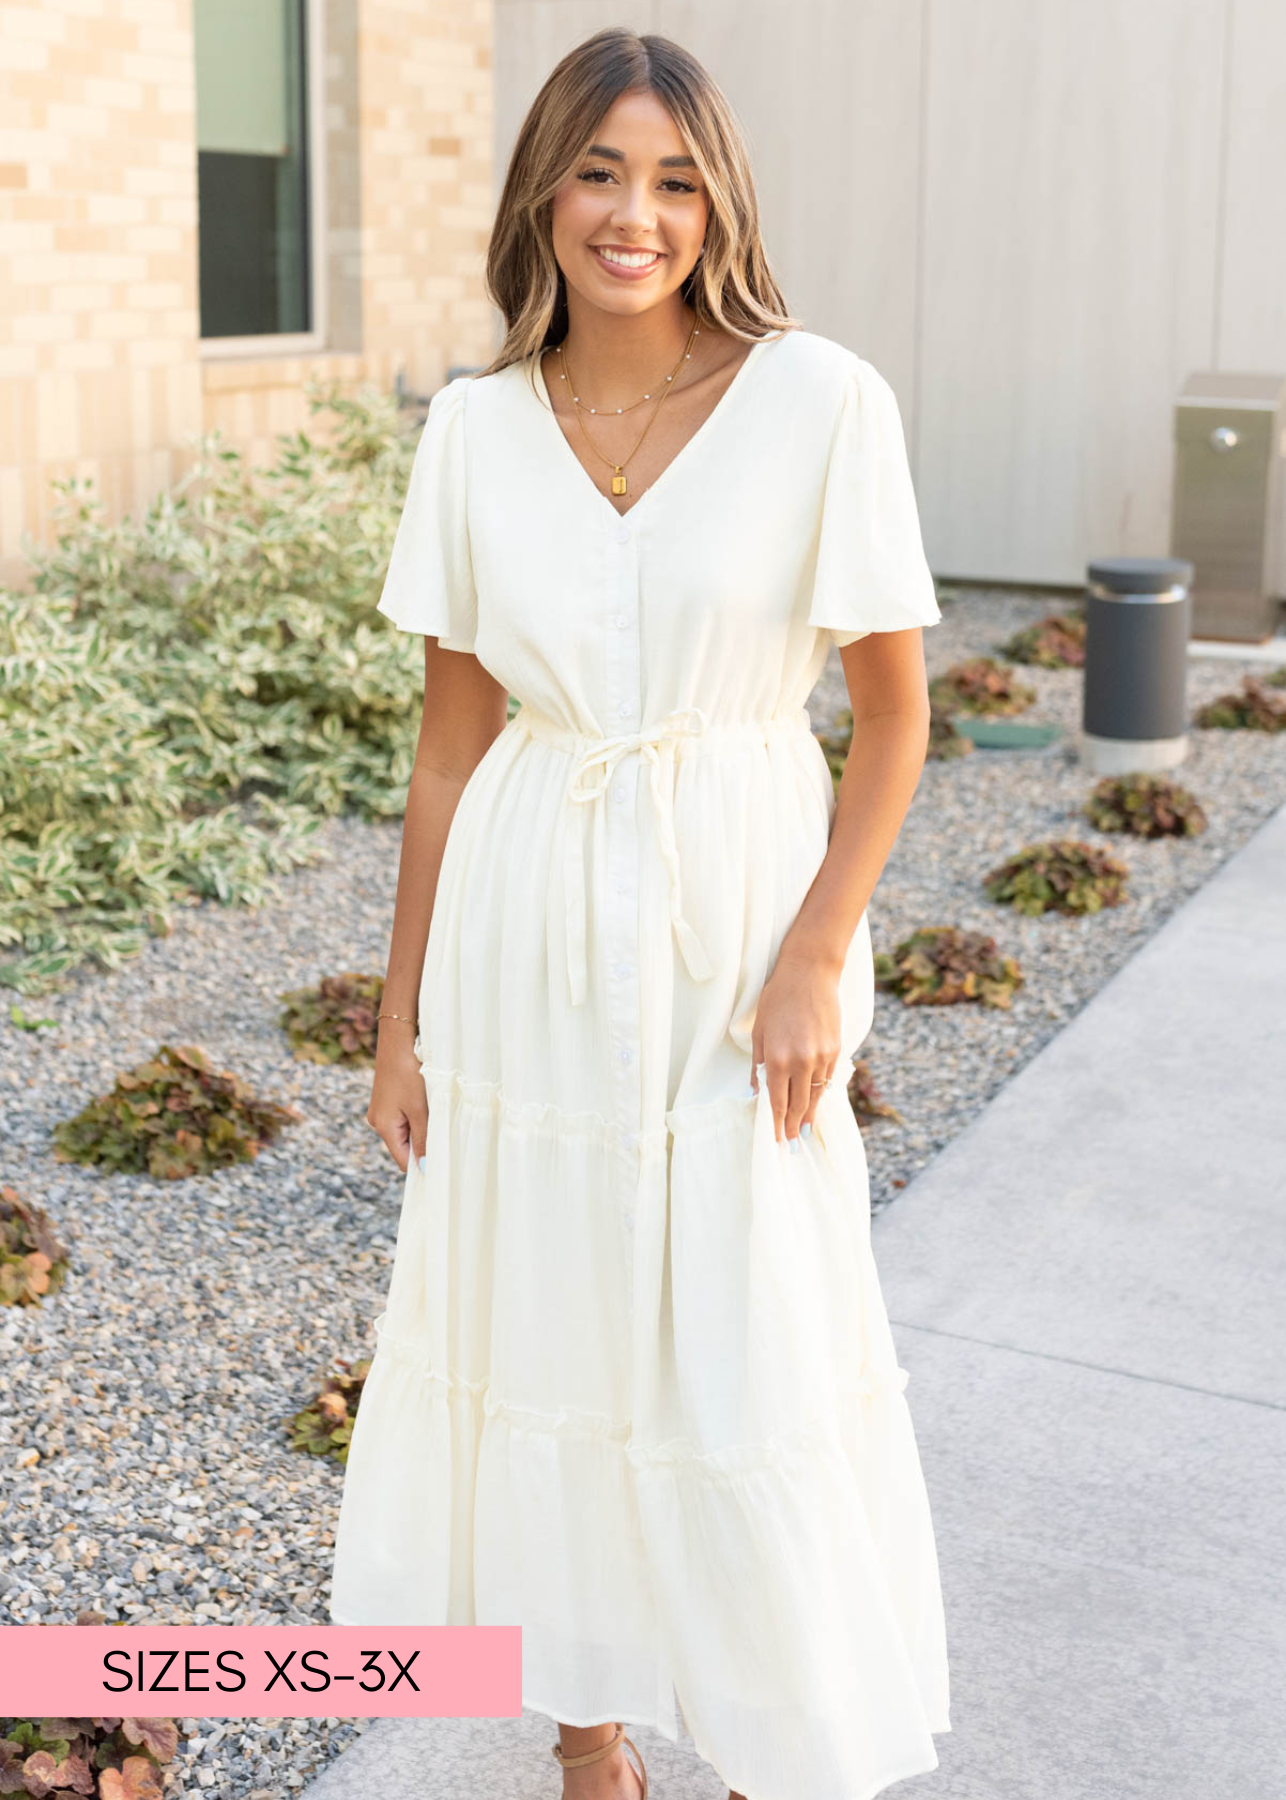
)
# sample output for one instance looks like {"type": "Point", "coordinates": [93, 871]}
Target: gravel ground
{"type": "Point", "coordinates": [146, 1472]}
{"type": "Point", "coordinates": [940, 1065]}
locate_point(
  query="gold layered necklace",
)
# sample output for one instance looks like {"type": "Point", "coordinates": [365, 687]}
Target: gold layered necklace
{"type": "Point", "coordinates": [619, 484]}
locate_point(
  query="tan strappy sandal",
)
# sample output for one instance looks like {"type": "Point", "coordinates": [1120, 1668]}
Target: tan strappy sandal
{"type": "Point", "coordinates": [574, 1762]}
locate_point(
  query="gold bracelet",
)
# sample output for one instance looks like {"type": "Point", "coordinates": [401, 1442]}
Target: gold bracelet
{"type": "Point", "coordinates": [393, 1015]}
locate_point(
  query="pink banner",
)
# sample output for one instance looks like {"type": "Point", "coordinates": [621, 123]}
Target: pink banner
{"type": "Point", "coordinates": [261, 1671]}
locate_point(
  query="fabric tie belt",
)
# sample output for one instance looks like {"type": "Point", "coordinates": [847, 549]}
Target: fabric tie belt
{"type": "Point", "coordinates": [594, 760]}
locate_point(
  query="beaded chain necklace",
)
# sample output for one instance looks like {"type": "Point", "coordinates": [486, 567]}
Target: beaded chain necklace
{"type": "Point", "coordinates": [619, 483]}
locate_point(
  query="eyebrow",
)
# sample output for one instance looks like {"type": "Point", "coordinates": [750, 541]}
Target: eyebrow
{"type": "Point", "coordinates": [662, 162]}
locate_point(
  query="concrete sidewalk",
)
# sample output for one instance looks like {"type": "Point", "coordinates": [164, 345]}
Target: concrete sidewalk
{"type": "Point", "coordinates": [1087, 1288]}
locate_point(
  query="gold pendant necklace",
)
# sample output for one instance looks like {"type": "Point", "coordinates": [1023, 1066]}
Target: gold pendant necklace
{"type": "Point", "coordinates": [619, 483]}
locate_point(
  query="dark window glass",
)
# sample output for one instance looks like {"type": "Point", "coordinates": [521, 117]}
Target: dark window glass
{"type": "Point", "coordinates": [252, 167]}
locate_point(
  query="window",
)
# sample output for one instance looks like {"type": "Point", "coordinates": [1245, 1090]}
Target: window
{"type": "Point", "coordinates": [256, 187]}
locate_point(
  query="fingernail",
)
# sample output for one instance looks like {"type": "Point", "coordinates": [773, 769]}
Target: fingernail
{"type": "Point", "coordinates": [794, 1145]}
{"type": "Point", "coordinates": [424, 1164]}
{"type": "Point", "coordinates": [750, 1093]}
{"type": "Point", "coordinates": [806, 1129]}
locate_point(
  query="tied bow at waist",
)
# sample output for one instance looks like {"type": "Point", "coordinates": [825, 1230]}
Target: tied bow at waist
{"type": "Point", "coordinates": [595, 759]}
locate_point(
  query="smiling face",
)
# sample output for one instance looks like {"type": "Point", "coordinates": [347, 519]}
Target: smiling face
{"type": "Point", "coordinates": [628, 223]}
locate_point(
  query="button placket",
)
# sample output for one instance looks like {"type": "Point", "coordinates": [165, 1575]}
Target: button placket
{"type": "Point", "coordinates": [620, 946]}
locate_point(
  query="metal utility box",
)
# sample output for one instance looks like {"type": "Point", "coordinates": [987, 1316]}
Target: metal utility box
{"type": "Point", "coordinates": [1229, 501]}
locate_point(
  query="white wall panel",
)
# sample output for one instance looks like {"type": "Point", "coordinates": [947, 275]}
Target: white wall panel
{"type": "Point", "coordinates": [829, 95]}
{"type": "Point", "coordinates": [1070, 227]}
{"type": "Point", "coordinates": [1250, 328]}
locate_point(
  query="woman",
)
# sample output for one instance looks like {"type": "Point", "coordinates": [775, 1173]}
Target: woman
{"type": "Point", "coordinates": [634, 1387]}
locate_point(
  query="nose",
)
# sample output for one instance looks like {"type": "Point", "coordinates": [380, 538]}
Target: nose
{"type": "Point", "coordinates": [633, 210]}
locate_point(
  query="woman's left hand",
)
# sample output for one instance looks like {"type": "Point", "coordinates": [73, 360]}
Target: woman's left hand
{"type": "Point", "coordinates": [796, 1040]}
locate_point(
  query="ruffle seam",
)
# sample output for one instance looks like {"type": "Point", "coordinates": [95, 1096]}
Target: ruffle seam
{"type": "Point", "coordinates": [544, 1118]}
{"type": "Point", "coordinates": [873, 1384]}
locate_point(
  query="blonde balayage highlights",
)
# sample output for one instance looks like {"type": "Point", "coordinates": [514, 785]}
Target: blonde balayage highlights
{"type": "Point", "coordinates": [732, 285]}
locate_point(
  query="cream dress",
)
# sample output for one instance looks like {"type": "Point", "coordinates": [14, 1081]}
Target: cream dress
{"type": "Point", "coordinates": [634, 1387]}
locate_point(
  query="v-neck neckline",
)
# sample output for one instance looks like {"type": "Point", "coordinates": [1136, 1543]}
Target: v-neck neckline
{"type": "Point", "coordinates": [705, 425]}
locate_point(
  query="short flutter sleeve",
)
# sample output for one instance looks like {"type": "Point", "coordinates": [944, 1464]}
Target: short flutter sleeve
{"type": "Point", "coordinates": [429, 584]}
{"type": "Point", "coordinates": [870, 573]}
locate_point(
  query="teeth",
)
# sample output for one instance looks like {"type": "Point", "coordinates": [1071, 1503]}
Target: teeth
{"type": "Point", "coordinates": [629, 259]}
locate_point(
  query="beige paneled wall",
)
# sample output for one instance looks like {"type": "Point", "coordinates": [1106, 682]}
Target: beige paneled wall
{"type": "Point", "coordinates": [1036, 217]}
{"type": "Point", "coordinates": [102, 373]}
{"type": "Point", "coordinates": [531, 35]}
{"type": "Point", "coordinates": [1250, 295]}
{"type": "Point", "coordinates": [1071, 234]}
{"type": "Point", "coordinates": [831, 105]}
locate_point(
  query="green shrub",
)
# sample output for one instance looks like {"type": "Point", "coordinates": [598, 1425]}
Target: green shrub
{"type": "Point", "coordinates": [982, 686]}
{"type": "Point", "coordinates": [186, 695]}
{"type": "Point", "coordinates": [33, 1262]}
{"type": "Point", "coordinates": [1148, 806]}
{"type": "Point", "coordinates": [864, 1096]}
{"type": "Point", "coordinates": [1254, 709]}
{"type": "Point", "coordinates": [325, 1425]}
{"type": "Point", "coordinates": [114, 1759]}
{"type": "Point", "coordinates": [334, 1022]}
{"type": "Point", "coordinates": [941, 964]}
{"type": "Point", "coordinates": [1277, 678]}
{"type": "Point", "coordinates": [1062, 875]}
{"type": "Point", "coordinates": [171, 1117]}
{"type": "Point", "coordinates": [103, 829]}
{"type": "Point", "coordinates": [1057, 642]}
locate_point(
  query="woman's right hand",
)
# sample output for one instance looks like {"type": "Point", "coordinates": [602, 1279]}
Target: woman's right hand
{"type": "Point", "coordinates": [399, 1108]}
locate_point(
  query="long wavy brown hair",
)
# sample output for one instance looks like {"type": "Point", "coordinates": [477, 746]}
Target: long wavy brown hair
{"type": "Point", "coordinates": [731, 286]}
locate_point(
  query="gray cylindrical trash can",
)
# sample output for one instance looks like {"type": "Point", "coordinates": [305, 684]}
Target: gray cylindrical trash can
{"type": "Point", "coordinates": [1138, 620]}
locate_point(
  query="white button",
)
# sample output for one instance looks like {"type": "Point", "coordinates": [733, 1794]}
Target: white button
{"type": "Point", "coordinates": [622, 619]}
{"type": "Point", "coordinates": [622, 886]}
{"type": "Point", "coordinates": [618, 794]}
{"type": "Point", "coordinates": [622, 533]}
{"type": "Point", "coordinates": [624, 1053]}
{"type": "Point", "coordinates": [624, 969]}
{"type": "Point", "coordinates": [625, 709]}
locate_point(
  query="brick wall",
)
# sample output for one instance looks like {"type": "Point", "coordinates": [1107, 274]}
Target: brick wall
{"type": "Point", "coordinates": [101, 367]}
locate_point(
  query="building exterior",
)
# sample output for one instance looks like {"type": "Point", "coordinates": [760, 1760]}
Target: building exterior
{"type": "Point", "coordinates": [1036, 218]}
{"type": "Point", "coordinates": [205, 202]}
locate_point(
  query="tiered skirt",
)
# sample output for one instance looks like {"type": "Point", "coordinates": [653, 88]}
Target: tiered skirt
{"type": "Point", "coordinates": [670, 1439]}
